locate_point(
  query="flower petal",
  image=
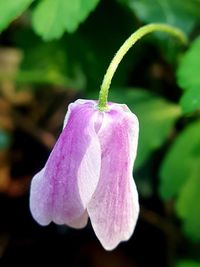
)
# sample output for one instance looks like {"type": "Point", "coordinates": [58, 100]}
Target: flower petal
{"type": "Point", "coordinates": [62, 190]}
{"type": "Point", "coordinates": [114, 207]}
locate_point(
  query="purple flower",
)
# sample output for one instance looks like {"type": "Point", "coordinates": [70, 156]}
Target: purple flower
{"type": "Point", "coordinates": [89, 173]}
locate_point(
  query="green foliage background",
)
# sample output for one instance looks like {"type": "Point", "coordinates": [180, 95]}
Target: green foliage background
{"type": "Point", "coordinates": [68, 44]}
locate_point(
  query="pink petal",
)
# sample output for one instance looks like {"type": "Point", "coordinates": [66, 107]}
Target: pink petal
{"type": "Point", "coordinates": [62, 190]}
{"type": "Point", "coordinates": [114, 207]}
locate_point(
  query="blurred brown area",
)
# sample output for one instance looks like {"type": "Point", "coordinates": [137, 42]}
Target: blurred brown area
{"type": "Point", "coordinates": [22, 111]}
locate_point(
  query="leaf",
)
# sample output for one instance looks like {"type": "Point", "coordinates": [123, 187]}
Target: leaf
{"type": "Point", "coordinates": [180, 162]}
{"type": "Point", "coordinates": [40, 67]}
{"type": "Point", "coordinates": [10, 9]}
{"type": "Point", "coordinates": [188, 78]}
{"type": "Point", "coordinates": [51, 18]}
{"type": "Point", "coordinates": [190, 101]}
{"type": "Point", "coordinates": [188, 203]}
{"type": "Point", "coordinates": [156, 117]}
{"type": "Point", "coordinates": [180, 13]}
{"type": "Point", "coordinates": [188, 263]}
{"type": "Point", "coordinates": [188, 71]}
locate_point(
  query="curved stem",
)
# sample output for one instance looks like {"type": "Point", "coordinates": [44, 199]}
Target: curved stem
{"type": "Point", "coordinates": [103, 94]}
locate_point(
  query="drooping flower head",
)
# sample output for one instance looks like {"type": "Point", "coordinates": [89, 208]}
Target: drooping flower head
{"type": "Point", "coordinates": [89, 172]}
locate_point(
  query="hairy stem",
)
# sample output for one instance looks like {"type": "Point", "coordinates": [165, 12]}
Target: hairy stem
{"type": "Point", "coordinates": [103, 94]}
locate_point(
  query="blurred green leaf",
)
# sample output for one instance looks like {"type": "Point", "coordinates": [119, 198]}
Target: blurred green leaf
{"type": "Point", "coordinates": [188, 203]}
{"type": "Point", "coordinates": [187, 263]}
{"type": "Point", "coordinates": [190, 101]}
{"type": "Point", "coordinates": [41, 67]}
{"type": "Point", "coordinates": [10, 9]}
{"type": "Point", "coordinates": [188, 76]}
{"type": "Point", "coordinates": [181, 162]}
{"type": "Point", "coordinates": [51, 18]}
{"type": "Point", "coordinates": [180, 13]}
{"type": "Point", "coordinates": [156, 117]}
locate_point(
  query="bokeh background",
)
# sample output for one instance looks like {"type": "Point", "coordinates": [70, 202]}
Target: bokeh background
{"type": "Point", "coordinates": [55, 51]}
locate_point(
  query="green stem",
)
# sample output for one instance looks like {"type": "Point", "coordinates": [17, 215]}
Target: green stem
{"type": "Point", "coordinates": [103, 94]}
